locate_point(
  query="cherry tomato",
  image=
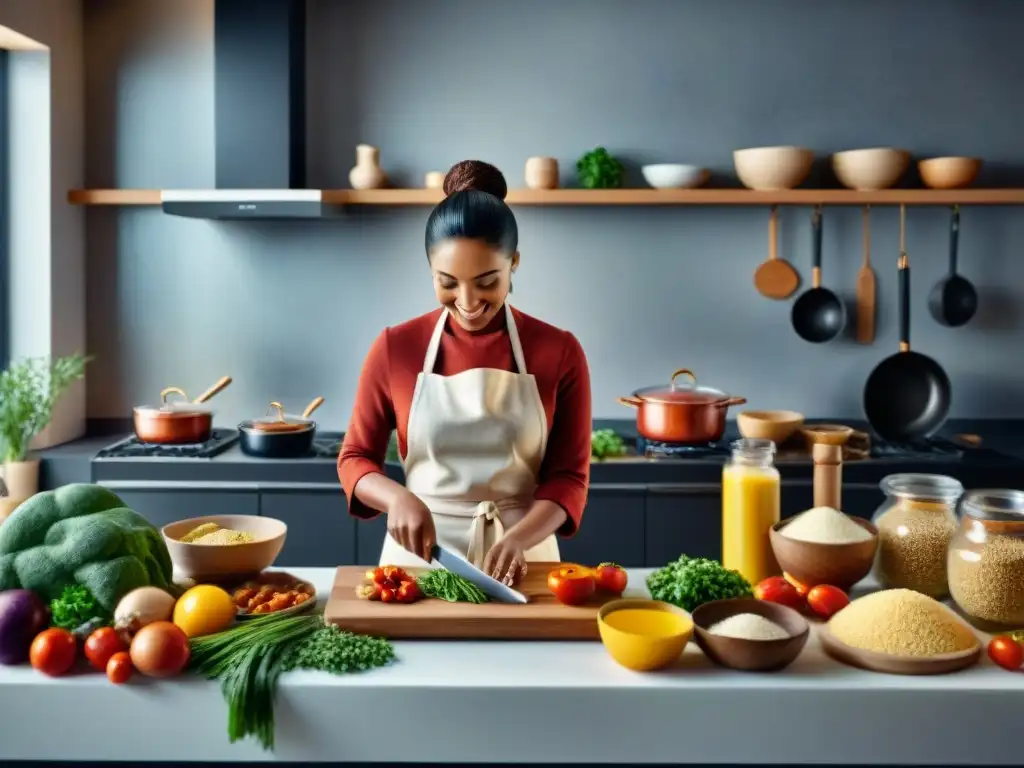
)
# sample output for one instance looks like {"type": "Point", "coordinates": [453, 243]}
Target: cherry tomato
{"type": "Point", "coordinates": [409, 592]}
{"type": "Point", "coordinates": [119, 668]}
{"type": "Point", "coordinates": [801, 588]}
{"type": "Point", "coordinates": [101, 645]}
{"type": "Point", "coordinates": [611, 578]}
{"type": "Point", "coordinates": [53, 651]}
{"type": "Point", "coordinates": [378, 577]}
{"type": "Point", "coordinates": [1006, 652]}
{"type": "Point", "coordinates": [571, 584]}
{"type": "Point", "coordinates": [826, 601]}
{"type": "Point", "coordinates": [388, 595]}
{"type": "Point", "coordinates": [775, 589]}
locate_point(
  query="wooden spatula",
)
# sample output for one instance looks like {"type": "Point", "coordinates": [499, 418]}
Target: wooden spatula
{"type": "Point", "coordinates": [775, 278]}
{"type": "Point", "coordinates": [866, 288]}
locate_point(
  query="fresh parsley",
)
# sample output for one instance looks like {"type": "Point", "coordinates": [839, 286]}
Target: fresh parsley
{"type": "Point", "coordinates": [692, 581]}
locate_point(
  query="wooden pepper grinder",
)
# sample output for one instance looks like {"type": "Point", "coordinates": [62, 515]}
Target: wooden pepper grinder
{"type": "Point", "coordinates": [828, 475]}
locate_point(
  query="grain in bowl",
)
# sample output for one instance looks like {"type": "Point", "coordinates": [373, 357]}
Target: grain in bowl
{"type": "Point", "coordinates": [825, 525]}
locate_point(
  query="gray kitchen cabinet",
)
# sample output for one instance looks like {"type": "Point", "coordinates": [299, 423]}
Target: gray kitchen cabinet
{"type": "Point", "coordinates": [321, 533]}
{"type": "Point", "coordinates": [858, 499]}
{"type": "Point", "coordinates": [612, 528]}
{"type": "Point", "coordinates": [163, 503]}
{"type": "Point", "coordinates": [684, 519]}
{"type": "Point", "coordinates": [370, 538]}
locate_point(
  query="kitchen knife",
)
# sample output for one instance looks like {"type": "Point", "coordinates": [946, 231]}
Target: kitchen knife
{"type": "Point", "coordinates": [490, 587]}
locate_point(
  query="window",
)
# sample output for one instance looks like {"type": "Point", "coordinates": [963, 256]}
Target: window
{"type": "Point", "coordinates": [5, 208]}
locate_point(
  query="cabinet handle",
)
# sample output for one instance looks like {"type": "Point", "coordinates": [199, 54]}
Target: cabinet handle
{"type": "Point", "coordinates": [217, 485]}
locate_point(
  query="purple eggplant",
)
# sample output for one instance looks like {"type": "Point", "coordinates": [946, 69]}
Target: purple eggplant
{"type": "Point", "coordinates": [22, 616]}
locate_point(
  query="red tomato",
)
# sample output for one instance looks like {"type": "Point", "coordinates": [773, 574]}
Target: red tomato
{"type": "Point", "coordinates": [377, 574]}
{"type": "Point", "coordinates": [388, 595]}
{"type": "Point", "coordinates": [53, 651]}
{"type": "Point", "coordinates": [802, 588]}
{"type": "Point", "coordinates": [1006, 652]}
{"type": "Point", "coordinates": [571, 584]}
{"type": "Point", "coordinates": [611, 578]}
{"type": "Point", "coordinates": [775, 589]}
{"type": "Point", "coordinates": [826, 601]}
{"type": "Point", "coordinates": [101, 645]}
{"type": "Point", "coordinates": [119, 668]}
{"type": "Point", "coordinates": [409, 592]}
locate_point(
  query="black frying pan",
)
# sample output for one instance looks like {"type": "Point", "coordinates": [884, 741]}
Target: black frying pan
{"type": "Point", "coordinates": [907, 395]}
{"type": "Point", "coordinates": [818, 315]}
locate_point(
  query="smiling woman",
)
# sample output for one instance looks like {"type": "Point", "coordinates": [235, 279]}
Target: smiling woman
{"type": "Point", "coordinates": [491, 406]}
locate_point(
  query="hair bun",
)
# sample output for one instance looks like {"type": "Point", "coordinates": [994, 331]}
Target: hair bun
{"type": "Point", "coordinates": [475, 174]}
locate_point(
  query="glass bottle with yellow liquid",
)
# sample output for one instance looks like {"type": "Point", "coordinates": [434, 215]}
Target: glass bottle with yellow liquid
{"type": "Point", "coordinates": [751, 504]}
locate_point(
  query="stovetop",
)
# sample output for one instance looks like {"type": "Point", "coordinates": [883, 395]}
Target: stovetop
{"type": "Point", "coordinates": [929, 448]}
{"type": "Point", "coordinates": [133, 448]}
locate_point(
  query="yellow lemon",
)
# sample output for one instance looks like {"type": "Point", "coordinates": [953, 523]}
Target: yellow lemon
{"type": "Point", "coordinates": [204, 610]}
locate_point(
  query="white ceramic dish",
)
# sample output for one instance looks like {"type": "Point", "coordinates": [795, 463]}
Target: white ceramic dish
{"type": "Point", "coordinates": [674, 176]}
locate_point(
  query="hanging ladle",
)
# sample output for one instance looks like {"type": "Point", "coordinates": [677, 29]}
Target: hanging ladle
{"type": "Point", "coordinates": [953, 301]}
{"type": "Point", "coordinates": [818, 315]}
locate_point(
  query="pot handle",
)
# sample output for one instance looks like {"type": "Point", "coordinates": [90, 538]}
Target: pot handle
{"type": "Point", "coordinates": [223, 382]}
{"type": "Point", "coordinates": [172, 391]}
{"type": "Point", "coordinates": [682, 372]}
{"type": "Point", "coordinates": [733, 401]}
{"type": "Point", "coordinates": [630, 402]}
{"type": "Point", "coordinates": [317, 402]}
{"type": "Point", "coordinates": [276, 406]}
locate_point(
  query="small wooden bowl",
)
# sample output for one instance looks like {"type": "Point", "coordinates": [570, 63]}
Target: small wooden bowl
{"type": "Point", "coordinates": [812, 563]}
{"type": "Point", "coordinates": [750, 655]}
{"type": "Point", "coordinates": [897, 665]}
{"type": "Point", "coordinates": [216, 562]}
{"type": "Point", "coordinates": [777, 426]}
{"type": "Point", "coordinates": [949, 172]}
{"type": "Point", "coordinates": [827, 434]}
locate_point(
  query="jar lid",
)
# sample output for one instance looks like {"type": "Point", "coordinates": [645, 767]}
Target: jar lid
{"type": "Point", "coordinates": [996, 508]}
{"type": "Point", "coordinates": [922, 487]}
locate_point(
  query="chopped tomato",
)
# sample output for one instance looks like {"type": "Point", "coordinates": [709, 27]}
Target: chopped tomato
{"type": "Point", "coordinates": [826, 601]}
{"type": "Point", "coordinates": [611, 578]}
{"type": "Point", "coordinates": [369, 591]}
{"type": "Point", "coordinates": [571, 584]}
{"type": "Point", "coordinates": [388, 595]}
{"type": "Point", "coordinates": [775, 589]}
{"type": "Point", "coordinates": [1006, 652]}
{"type": "Point", "coordinates": [409, 592]}
{"type": "Point", "coordinates": [120, 668]}
{"type": "Point", "coordinates": [377, 576]}
{"type": "Point", "coordinates": [802, 588]}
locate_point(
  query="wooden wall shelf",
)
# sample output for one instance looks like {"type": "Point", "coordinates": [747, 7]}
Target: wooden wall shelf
{"type": "Point", "coordinates": [633, 197]}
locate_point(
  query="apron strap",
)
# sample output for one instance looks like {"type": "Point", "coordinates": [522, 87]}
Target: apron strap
{"type": "Point", "coordinates": [430, 359]}
{"type": "Point", "coordinates": [486, 515]}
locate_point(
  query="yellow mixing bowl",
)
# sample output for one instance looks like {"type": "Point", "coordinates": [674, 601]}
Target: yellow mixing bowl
{"type": "Point", "coordinates": [644, 634]}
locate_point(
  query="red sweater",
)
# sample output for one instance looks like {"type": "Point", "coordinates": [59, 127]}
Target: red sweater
{"type": "Point", "coordinates": [553, 356]}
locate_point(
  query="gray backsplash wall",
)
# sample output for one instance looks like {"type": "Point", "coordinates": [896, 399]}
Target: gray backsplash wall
{"type": "Point", "coordinates": [290, 309]}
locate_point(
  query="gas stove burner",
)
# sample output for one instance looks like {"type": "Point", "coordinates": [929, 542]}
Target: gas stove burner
{"type": "Point", "coordinates": [133, 448]}
{"type": "Point", "coordinates": [931, 447]}
{"type": "Point", "coordinates": [653, 449]}
{"type": "Point", "coordinates": [327, 449]}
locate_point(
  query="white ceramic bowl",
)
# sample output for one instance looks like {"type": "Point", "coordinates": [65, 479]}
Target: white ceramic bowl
{"type": "Point", "coordinates": [870, 169]}
{"type": "Point", "coordinates": [769, 168]}
{"type": "Point", "coordinates": [673, 176]}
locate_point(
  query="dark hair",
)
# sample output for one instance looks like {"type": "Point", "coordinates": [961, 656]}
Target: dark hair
{"type": "Point", "coordinates": [474, 208]}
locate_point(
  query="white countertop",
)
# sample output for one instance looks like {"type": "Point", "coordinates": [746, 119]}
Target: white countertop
{"type": "Point", "coordinates": [528, 702]}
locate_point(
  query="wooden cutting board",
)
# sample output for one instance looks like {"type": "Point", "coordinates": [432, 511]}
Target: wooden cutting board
{"type": "Point", "coordinates": [543, 618]}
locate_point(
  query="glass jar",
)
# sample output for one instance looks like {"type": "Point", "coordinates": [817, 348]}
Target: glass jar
{"type": "Point", "coordinates": [751, 505]}
{"type": "Point", "coordinates": [986, 559]}
{"type": "Point", "coordinates": [915, 523]}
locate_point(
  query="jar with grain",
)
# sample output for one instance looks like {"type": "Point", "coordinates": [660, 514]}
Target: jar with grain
{"type": "Point", "coordinates": [986, 559]}
{"type": "Point", "coordinates": [915, 523]}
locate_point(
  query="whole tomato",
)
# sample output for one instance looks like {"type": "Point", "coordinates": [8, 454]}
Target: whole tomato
{"type": "Point", "coordinates": [53, 651]}
{"type": "Point", "coordinates": [826, 601]}
{"type": "Point", "coordinates": [1006, 652]}
{"type": "Point", "coordinates": [120, 668]}
{"type": "Point", "coordinates": [611, 578]}
{"type": "Point", "coordinates": [775, 589]}
{"type": "Point", "coordinates": [101, 645]}
{"type": "Point", "coordinates": [571, 584]}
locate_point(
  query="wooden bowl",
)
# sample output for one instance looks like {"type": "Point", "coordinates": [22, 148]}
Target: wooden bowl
{"type": "Point", "coordinates": [811, 563]}
{"type": "Point", "coordinates": [216, 562]}
{"type": "Point", "coordinates": [770, 168]}
{"type": "Point", "coordinates": [828, 434]}
{"type": "Point", "coordinates": [777, 426]}
{"type": "Point", "coordinates": [870, 169]}
{"type": "Point", "coordinates": [750, 655]}
{"type": "Point", "coordinates": [949, 172]}
{"type": "Point", "coordinates": [896, 665]}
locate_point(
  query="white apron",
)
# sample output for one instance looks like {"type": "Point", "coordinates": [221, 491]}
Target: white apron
{"type": "Point", "coordinates": [474, 447]}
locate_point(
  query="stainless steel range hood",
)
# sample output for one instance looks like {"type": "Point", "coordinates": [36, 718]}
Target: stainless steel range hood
{"type": "Point", "coordinates": [259, 118]}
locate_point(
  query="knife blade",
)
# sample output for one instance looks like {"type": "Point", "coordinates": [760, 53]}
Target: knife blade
{"type": "Point", "coordinates": [490, 587]}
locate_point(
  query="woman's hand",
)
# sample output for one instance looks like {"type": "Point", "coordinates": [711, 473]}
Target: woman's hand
{"type": "Point", "coordinates": [411, 524]}
{"type": "Point", "coordinates": [506, 561]}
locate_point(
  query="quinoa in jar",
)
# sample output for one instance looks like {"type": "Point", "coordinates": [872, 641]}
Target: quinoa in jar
{"type": "Point", "coordinates": [915, 524]}
{"type": "Point", "coordinates": [986, 559]}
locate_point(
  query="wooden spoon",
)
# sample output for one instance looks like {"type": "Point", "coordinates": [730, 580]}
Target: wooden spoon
{"type": "Point", "coordinates": [866, 288]}
{"type": "Point", "coordinates": [775, 278]}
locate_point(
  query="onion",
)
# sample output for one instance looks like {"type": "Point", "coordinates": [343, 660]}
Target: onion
{"type": "Point", "coordinates": [141, 607]}
{"type": "Point", "coordinates": [160, 649]}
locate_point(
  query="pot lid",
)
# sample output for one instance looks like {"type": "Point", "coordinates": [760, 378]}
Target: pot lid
{"type": "Point", "coordinates": [277, 420]}
{"type": "Point", "coordinates": [177, 407]}
{"type": "Point", "coordinates": [677, 392]}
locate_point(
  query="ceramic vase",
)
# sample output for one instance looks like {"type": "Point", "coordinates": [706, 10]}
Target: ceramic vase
{"type": "Point", "coordinates": [434, 180]}
{"type": "Point", "coordinates": [21, 478]}
{"type": "Point", "coordinates": [367, 173]}
{"type": "Point", "coordinates": [542, 173]}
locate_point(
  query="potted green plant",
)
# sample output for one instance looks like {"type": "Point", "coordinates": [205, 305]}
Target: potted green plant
{"type": "Point", "coordinates": [29, 389]}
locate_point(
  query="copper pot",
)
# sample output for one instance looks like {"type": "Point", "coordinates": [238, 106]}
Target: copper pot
{"type": "Point", "coordinates": [179, 421]}
{"type": "Point", "coordinates": [681, 414]}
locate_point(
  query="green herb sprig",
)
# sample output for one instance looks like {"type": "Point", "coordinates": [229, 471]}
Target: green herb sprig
{"type": "Point", "coordinates": [599, 170]}
{"type": "Point", "coordinates": [692, 581]}
{"type": "Point", "coordinates": [606, 444]}
{"type": "Point", "coordinates": [448, 586]}
{"type": "Point", "coordinates": [76, 606]}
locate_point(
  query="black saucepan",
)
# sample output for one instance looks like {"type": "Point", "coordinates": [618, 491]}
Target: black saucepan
{"type": "Point", "coordinates": [818, 315]}
{"type": "Point", "coordinates": [907, 395]}
{"type": "Point", "coordinates": [282, 437]}
{"type": "Point", "coordinates": [953, 301]}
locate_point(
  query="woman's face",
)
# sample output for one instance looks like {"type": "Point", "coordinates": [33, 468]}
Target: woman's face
{"type": "Point", "coordinates": [471, 279]}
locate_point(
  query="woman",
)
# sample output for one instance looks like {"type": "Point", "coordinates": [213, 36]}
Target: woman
{"type": "Point", "coordinates": [491, 406]}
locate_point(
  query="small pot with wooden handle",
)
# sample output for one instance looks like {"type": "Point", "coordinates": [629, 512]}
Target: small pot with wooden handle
{"type": "Point", "coordinates": [280, 436]}
{"type": "Point", "coordinates": [178, 421]}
